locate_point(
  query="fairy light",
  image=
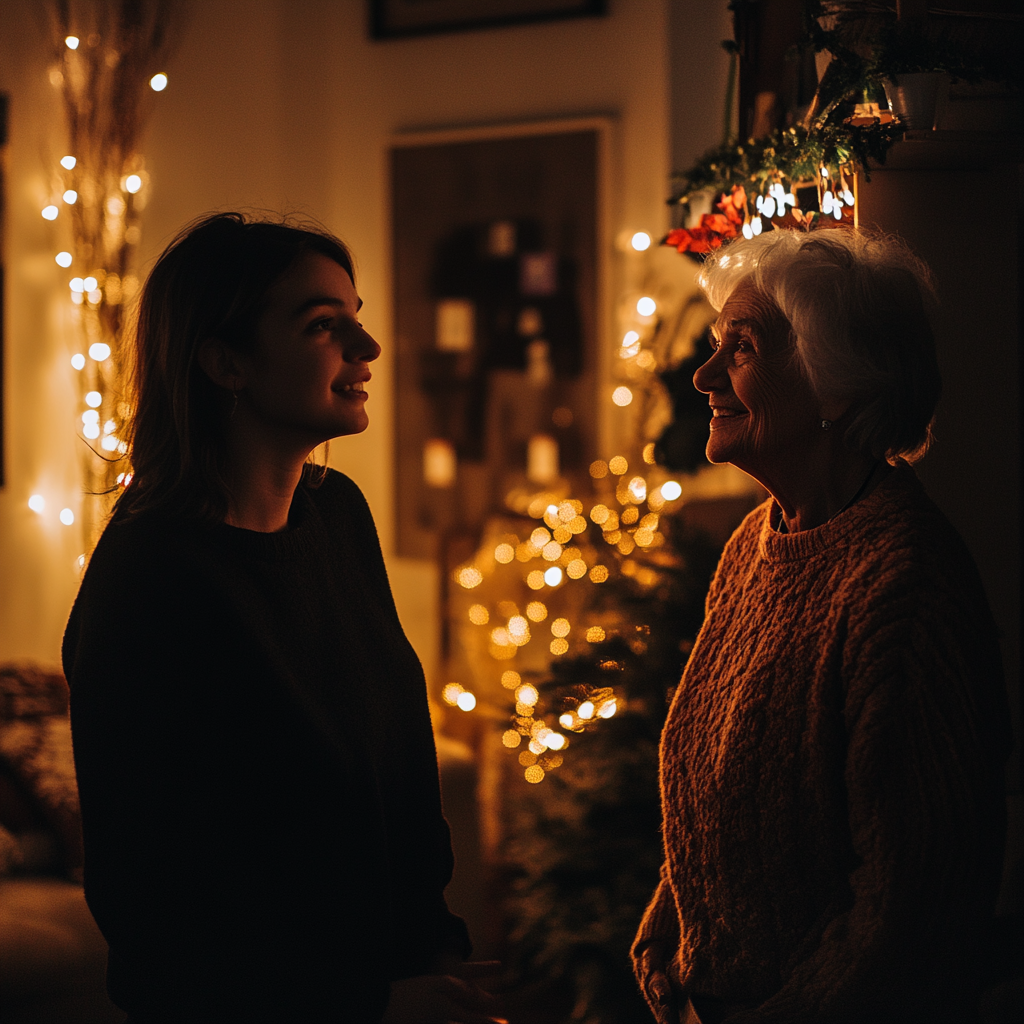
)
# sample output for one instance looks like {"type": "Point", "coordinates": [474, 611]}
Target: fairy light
{"type": "Point", "coordinates": [641, 241]}
{"type": "Point", "coordinates": [466, 701]}
{"type": "Point", "coordinates": [646, 306]}
{"type": "Point", "coordinates": [50, 212]}
{"type": "Point", "coordinates": [553, 576]}
{"type": "Point", "coordinates": [158, 82]}
{"type": "Point", "coordinates": [99, 350]}
{"type": "Point", "coordinates": [71, 42]}
{"type": "Point", "coordinates": [78, 361]}
{"type": "Point", "coordinates": [70, 197]}
{"type": "Point", "coordinates": [68, 163]}
{"type": "Point", "coordinates": [670, 490]}
{"type": "Point", "coordinates": [622, 396]}
{"type": "Point", "coordinates": [93, 399]}
{"type": "Point", "coordinates": [133, 183]}
{"type": "Point", "coordinates": [63, 259]}
{"type": "Point", "coordinates": [67, 517]}
{"type": "Point", "coordinates": [37, 503]}
{"type": "Point", "coordinates": [451, 693]}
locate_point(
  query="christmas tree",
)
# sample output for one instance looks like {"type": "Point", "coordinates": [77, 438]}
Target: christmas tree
{"type": "Point", "coordinates": [585, 847]}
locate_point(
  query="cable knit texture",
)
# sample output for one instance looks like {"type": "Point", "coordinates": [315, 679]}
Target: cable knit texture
{"type": "Point", "coordinates": [831, 772]}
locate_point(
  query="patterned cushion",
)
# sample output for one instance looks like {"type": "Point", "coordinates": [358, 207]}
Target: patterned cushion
{"type": "Point", "coordinates": [35, 747]}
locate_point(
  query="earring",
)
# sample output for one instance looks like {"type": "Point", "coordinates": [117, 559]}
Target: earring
{"type": "Point", "coordinates": [826, 424]}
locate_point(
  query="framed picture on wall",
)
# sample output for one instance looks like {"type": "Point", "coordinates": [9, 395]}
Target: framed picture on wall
{"type": "Point", "coordinates": [394, 18]}
{"type": "Point", "coordinates": [497, 275]}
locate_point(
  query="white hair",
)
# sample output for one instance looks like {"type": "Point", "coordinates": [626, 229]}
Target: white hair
{"type": "Point", "coordinates": [856, 302]}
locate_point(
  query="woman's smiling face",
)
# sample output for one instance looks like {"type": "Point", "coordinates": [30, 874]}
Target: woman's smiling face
{"type": "Point", "coordinates": [763, 409]}
{"type": "Point", "coordinates": [308, 373]}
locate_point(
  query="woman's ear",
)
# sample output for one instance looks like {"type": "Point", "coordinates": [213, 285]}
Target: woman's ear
{"type": "Point", "coordinates": [221, 365]}
{"type": "Point", "coordinates": [835, 409]}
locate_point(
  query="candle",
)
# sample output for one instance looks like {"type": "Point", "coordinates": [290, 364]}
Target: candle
{"type": "Point", "coordinates": [455, 325]}
{"type": "Point", "coordinates": [439, 463]}
{"type": "Point", "coordinates": [542, 459]}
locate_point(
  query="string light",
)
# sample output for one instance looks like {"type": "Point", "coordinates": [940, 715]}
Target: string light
{"type": "Point", "coordinates": [133, 183]}
{"type": "Point", "coordinates": [67, 517]}
{"type": "Point", "coordinates": [158, 82]}
{"type": "Point", "coordinates": [78, 361]}
{"type": "Point", "coordinates": [622, 396]}
{"type": "Point", "coordinates": [68, 163]}
{"type": "Point", "coordinates": [37, 503]}
{"type": "Point", "coordinates": [50, 212]}
{"type": "Point", "coordinates": [641, 241]}
{"type": "Point", "coordinates": [70, 197]}
{"type": "Point", "coordinates": [646, 306]}
{"type": "Point", "coordinates": [71, 42]}
{"type": "Point", "coordinates": [63, 259]}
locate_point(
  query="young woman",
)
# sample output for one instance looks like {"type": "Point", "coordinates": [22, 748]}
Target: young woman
{"type": "Point", "coordinates": [262, 818]}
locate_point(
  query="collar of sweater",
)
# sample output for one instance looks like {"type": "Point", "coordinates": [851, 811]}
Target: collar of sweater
{"type": "Point", "coordinates": [788, 547]}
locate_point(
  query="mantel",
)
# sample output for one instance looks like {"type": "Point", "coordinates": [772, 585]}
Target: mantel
{"type": "Point", "coordinates": [953, 150]}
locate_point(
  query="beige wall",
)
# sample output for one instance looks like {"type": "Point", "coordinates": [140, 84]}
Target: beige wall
{"type": "Point", "coordinates": [286, 105]}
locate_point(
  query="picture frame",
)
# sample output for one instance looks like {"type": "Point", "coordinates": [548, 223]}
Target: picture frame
{"type": "Point", "coordinates": [499, 271]}
{"type": "Point", "coordinates": [394, 19]}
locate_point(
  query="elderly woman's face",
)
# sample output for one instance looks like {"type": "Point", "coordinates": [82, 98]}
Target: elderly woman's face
{"type": "Point", "coordinates": [763, 410]}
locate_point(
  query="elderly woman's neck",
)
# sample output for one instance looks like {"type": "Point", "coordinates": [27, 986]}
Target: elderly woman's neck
{"type": "Point", "coordinates": [812, 493]}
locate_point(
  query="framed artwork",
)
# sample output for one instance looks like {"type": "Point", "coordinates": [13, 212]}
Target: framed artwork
{"type": "Point", "coordinates": [3, 211]}
{"type": "Point", "coordinates": [390, 19]}
{"type": "Point", "coordinates": [496, 258]}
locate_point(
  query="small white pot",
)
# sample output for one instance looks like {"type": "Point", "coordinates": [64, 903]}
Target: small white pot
{"type": "Point", "coordinates": [915, 97]}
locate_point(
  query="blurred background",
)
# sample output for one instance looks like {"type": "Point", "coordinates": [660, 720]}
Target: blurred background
{"type": "Point", "coordinates": [505, 172]}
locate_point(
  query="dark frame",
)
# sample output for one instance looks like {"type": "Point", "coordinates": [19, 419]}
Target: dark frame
{"type": "Point", "coordinates": [395, 19]}
{"type": "Point", "coordinates": [4, 106]}
{"type": "Point", "coordinates": [443, 182]}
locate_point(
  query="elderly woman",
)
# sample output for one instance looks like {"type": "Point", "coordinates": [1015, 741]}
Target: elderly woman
{"type": "Point", "coordinates": [831, 764]}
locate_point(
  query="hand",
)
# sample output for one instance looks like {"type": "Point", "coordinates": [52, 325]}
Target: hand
{"type": "Point", "coordinates": [656, 985]}
{"type": "Point", "coordinates": [452, 998]}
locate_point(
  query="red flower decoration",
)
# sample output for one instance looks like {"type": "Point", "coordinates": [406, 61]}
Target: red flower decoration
{"type": "Point", "coordinates": [714, 228]}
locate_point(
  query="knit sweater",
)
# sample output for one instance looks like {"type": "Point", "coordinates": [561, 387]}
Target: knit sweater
{"type": "Point", "coordinates": [261, 810]}
{"type": "Point", "coordinates": [831, 772]}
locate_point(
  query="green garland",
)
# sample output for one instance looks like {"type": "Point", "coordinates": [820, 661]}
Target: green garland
{"type": "Point", "coordinates": [826, 139]}
{"type": "Point", "coordinates": [795, 154]}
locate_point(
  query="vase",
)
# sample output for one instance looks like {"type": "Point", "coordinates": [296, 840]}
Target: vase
{"type": "Point", "coordinates": [914, 97]}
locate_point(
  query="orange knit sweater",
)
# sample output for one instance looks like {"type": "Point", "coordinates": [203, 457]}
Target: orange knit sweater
{"type": "Point", "coordinates": [832, 772]}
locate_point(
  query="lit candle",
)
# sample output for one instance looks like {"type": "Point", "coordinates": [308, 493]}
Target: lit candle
{"type": "Point", "coordinates": [542, 459]}
{"type": "Point", "coordinates": [439, 463]}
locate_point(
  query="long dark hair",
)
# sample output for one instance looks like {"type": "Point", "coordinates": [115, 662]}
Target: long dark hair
{"type": "Point", "coordinates": [211, 282]}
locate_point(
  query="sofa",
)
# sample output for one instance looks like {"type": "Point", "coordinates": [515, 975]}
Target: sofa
{"type": "Point", "coordinates": [52, 955]}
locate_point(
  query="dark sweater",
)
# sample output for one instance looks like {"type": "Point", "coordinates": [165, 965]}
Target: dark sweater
{"type": "Point", "coordinates": [261, 811]}
{"type": "Point", "coordinates": [831, 773]}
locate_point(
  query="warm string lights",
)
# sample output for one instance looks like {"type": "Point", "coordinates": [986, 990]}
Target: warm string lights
{"type": "Point", "coordinates": [98, 190]}
{"type": "Point", "coordinates": [572, 547]}
{"type": "Point", "coordinates": [636, 321]}
{"type": "Point", "coordinates": [528, 600]}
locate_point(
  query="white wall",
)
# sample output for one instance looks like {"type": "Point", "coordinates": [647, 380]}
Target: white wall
{"type": "Point", "coordinates": [286, 105]}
